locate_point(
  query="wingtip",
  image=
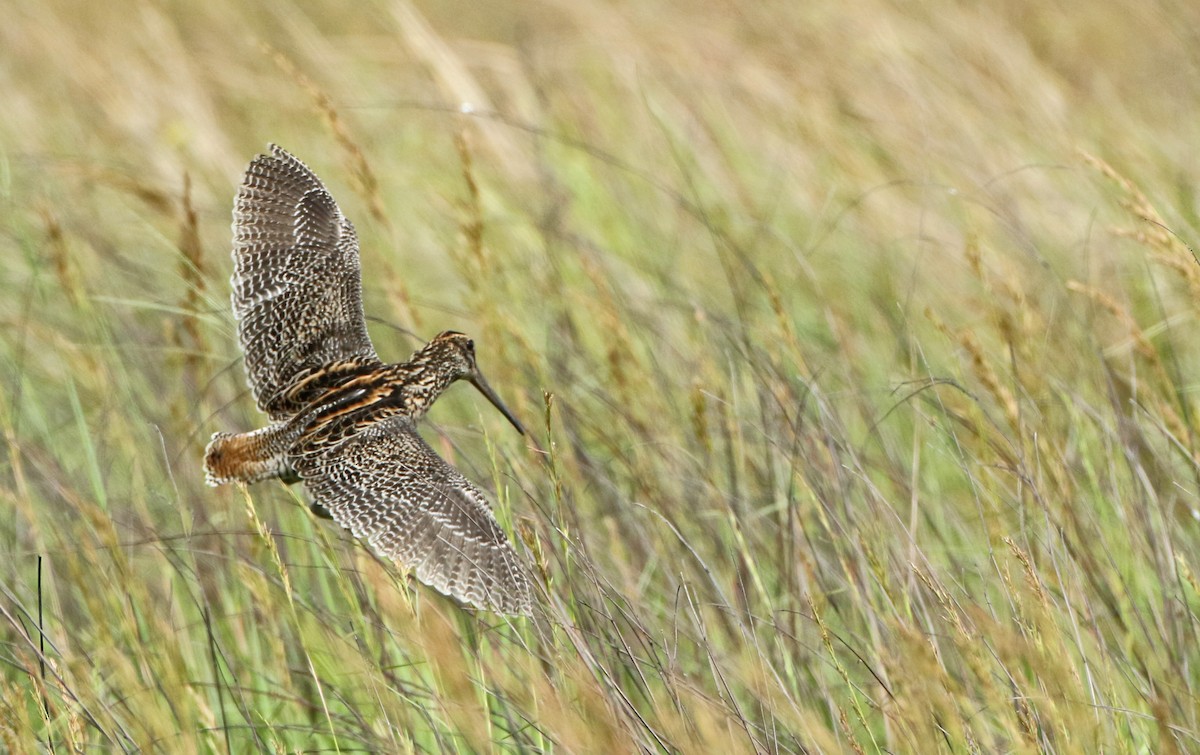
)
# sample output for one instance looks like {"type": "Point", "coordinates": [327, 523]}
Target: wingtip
{"type": "Point", "coordinates": [477, 582]}
{"type": "Point", "coordinates": [273, 152]}
{"type": "Point", "coordinates": [521, 609]}
{"type": "Point", "coordinates": [518, 599]}
{"type": "Point", "coordinates": [516, 603]}
{"type": "Point", "coordinates": [524, 610]}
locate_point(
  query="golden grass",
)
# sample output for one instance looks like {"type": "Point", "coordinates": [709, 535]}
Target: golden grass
{"type": "Point", "coordinates": [856, 340]}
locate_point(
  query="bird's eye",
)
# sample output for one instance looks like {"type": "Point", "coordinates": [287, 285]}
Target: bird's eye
{"type": "Point", "coordinates": [470, 346]}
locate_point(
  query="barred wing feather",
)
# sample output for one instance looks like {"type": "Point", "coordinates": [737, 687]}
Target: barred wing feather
{"type": "Point", "coordinates": [388, 487]}
{"type": "Point", "coordinates": [297, 283]}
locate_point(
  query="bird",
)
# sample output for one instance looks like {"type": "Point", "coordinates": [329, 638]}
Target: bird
{"type": "Point", "coordinates": [343, 422]}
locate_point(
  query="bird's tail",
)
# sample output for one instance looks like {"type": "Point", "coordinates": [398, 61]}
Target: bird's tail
{"type": "Point", "coordinates": [246, 457]}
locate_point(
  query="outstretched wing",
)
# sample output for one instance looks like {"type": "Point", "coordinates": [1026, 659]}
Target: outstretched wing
{"type": "Point", "coordinates": [297, 284]}
{"type": "Point", "coordinates": [387, 486]}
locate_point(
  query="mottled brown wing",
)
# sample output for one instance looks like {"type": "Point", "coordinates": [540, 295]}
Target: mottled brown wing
{"type": "Point", "coordinates": [297, 285]}
{"type": "Point", "coordinates": [388, 487]}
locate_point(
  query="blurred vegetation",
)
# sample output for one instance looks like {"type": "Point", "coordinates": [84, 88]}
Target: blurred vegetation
{"type": "Point", "coordinates": [859, 337]}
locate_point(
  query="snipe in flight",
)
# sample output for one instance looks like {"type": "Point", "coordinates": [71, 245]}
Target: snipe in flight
{"type": "Point", "coordinates": [342, 421]}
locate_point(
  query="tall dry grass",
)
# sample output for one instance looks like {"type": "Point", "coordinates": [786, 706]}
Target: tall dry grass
{"type": "Point", "coordinates": [857, 340]}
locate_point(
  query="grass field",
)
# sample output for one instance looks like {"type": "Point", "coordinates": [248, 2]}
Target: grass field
{"type": "Point", "coordinates": [861, 338]}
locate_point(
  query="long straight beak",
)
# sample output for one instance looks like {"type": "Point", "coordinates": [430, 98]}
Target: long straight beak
{"type": "Point", "coordinates": [478, 381]}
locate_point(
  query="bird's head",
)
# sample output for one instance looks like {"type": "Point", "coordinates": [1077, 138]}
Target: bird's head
{"type": "Point", "coordinates": [456, 351]}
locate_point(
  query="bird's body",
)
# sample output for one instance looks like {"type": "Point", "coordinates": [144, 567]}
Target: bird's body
{"type": "Point", "coordinates": [343, 421]}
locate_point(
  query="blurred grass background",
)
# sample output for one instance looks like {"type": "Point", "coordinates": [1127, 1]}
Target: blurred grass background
{"type": "Point", "coordinates": [860, 337]}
